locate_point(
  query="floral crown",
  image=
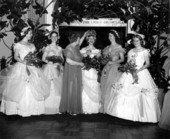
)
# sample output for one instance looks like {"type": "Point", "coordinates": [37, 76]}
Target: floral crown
{"type": "Point", "coordinates": [115, 32]}
{"type": "Point", "coordinates": [91, 33]}
{"type": "Point", "coordinates": [24, 30]}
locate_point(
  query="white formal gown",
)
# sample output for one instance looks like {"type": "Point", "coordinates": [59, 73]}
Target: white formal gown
{"type": "Point", "coordinates": [91, 88]}
{"type": "Point", "coordinates": [53, 74]}
{"type": "Point", "coordinates": [22, 93]}
{"type": "Point", "coordinates": [136, 102]}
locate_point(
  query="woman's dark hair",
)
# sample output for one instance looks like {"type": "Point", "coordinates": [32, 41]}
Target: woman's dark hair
{"type": "Point", "coordinates": [51, 33]}
{"type": "Point", "coordinates": [73, 37]}
{"type": "Point", "coordinates": [115, 33]}
{"type": "Point", "coordinates": [142, 42]}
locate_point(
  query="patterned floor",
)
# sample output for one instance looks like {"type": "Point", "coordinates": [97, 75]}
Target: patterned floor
{"type": "Point", "coordinates": [65, 126]}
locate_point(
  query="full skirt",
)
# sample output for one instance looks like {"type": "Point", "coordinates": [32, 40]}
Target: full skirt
{"type": "Point", "coordinates": [23, 91]}
{"type": "Point", "coordinates": [110, 76]}
{"type": "Point", "coordinates": [135, 101]}
{"type": "Point", "coordinates": [91, 92]}
{"type": "Point", "coordinates": [54, 75]}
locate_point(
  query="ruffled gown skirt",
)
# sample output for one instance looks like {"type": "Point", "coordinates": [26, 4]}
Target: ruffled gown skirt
{"type": "Point", "coordinates": [110, 75]}
{"type": "Point", "coordinates": [91, 92]}
{"type": "Point", "coordinates": [136, 102]}
{"type": "Point", "coordinates": [55, 77]}
{"type": "Point", "coordinates": [23, 91]}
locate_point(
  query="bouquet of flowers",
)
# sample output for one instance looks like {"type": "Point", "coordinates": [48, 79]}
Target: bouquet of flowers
{"type": "Point", "coordinates": [55, 59]}
{"type": "Point", "coordinates": [130, 67]}
{"type": "Point", "coordinates": [93, 62]}
{"type": "Point", "coordinates": [32, 59]}
{"type": "Point", "coordinates": [104, 59]}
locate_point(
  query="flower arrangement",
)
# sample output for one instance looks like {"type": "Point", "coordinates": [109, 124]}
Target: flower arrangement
{"type": "Point", "coordinates": [32, 59]}
{"type": "Point", "coordinates": [130, 67]}
{"type": "Point", "coordinates": [91, 62]}
{"type": "Point", "coordinates": [55, 59]}
{"type": "Point", "coordinates": [104, 59]}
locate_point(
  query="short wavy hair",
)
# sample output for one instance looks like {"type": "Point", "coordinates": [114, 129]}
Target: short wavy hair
{"type": "Point", "coordinates": [73, 37]}
{"type": "Point", "coordinates": [142, 41]}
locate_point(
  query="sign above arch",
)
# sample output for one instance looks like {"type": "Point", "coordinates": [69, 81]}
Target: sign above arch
{"type": "Point", "coordinates": [101, 22]}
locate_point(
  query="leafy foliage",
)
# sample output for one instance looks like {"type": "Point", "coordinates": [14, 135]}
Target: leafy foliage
{"type": "Point", "coordinates": [156, 70]}
{"type": "Point", "coordinates": [12, 18]}
{"type": "Point", "coordinates": [39, 9]}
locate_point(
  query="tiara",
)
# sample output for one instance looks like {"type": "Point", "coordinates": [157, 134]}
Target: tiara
{"type": "Point", "coordinates": [24, 29]}
{"type": "Point", "coordinates": [115, 33]}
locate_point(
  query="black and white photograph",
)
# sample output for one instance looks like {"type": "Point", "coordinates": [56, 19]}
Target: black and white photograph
{"type": "Point", "coordinates": [84, 69]}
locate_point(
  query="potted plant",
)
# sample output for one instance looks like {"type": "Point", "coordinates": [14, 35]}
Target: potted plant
{"type": "Point", "coordinates": [158, 73]}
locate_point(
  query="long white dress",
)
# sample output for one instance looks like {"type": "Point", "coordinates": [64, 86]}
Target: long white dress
{"type": "Point", "coordinates": [136, 102]}
{"type": "Point", "coordinates": [91, 88]}
{"type": "Point", "coordinates": [22, 93]}
{"type": "Point", "coordinates": [55, 76]}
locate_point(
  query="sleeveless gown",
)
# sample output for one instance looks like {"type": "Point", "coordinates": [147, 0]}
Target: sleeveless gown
{"type": "Point", "coordinates": [91, 88]}
{"type": "Point", "coordinates": [55, 77]}
{"type": "Point", "coordinates": [136, 102]}
{"type": "Point", "coordinates": [24, 94]}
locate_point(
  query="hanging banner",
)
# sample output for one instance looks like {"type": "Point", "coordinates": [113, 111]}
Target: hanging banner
{"type": "Point", "coordinates": [102, 22]}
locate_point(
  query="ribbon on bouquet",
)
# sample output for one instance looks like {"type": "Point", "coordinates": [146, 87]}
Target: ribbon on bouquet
{"type": "Point", "coordinates": [143, 93]}
{"type": "Point", "coordinates": [59, 69]}
{"type": "Point", "coordinates": [141, 105]}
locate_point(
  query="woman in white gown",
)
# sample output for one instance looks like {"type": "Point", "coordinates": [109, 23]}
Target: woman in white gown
{"type": "Point", "coordinates": [53, 71]}
{"type": "Point", "coordinates": [132, 99]}
{"type": "Point", "coordinates": [91, 87]}
{"type": "Point", "coordinates": [25, 87]}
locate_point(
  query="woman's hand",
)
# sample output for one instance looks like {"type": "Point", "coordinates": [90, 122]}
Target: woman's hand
{"type": "Point", "coordinates": [49, 62]}
{"type": "Point", "coordinates": [23, 62]}
{"type": "Point", "coordinates": [86, 33]}
{"type": "Point", "coordinates": [98, 55]}
{"type": "Point", "coordinates": [137, 71]}
{"type": "Point", "coordinates": [110, 62]}
{"type": "Point", "coordinates": [88, 52]}
{"type": "Point", "coordinates": [81, 64]}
